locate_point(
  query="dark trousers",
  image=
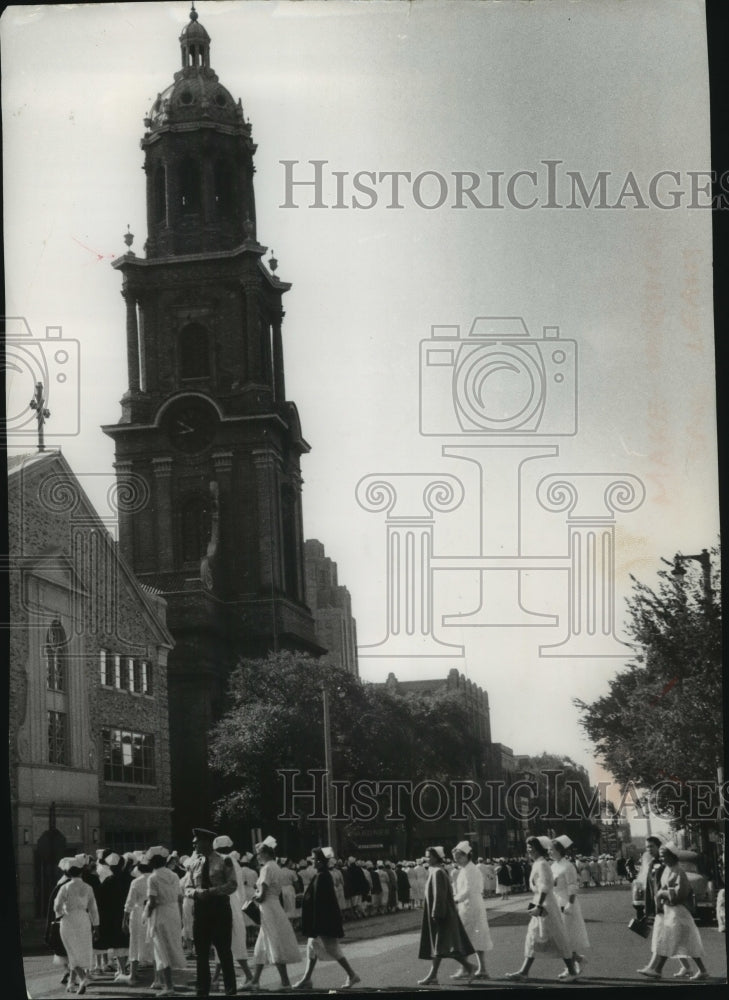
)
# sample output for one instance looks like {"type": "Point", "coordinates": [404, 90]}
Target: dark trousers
{"type": "Point", "coordinates": [212, 924]}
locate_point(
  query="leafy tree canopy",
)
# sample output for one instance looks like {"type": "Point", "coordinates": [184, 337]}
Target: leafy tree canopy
{"type": "Point", "coordinates": [662, 717]}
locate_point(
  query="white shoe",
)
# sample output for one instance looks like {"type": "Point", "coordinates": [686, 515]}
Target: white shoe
{"type": "Point", "coordinates": [350, 982]}
{"type": "Point", "coordinates": [650, 973]}
{"type": "Point", "coordinates": [683, 973]}
{"type": "Point", "coordinates": [700, 975]}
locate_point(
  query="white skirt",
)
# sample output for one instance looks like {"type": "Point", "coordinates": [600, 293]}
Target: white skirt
{"type": "Point", "coordinates": [473, 917]}
{"type": "Point", "coordinates": [276, 941]}
{"type": "Point", "coordinates": [77, 939]}
{"type": "Point", "coordinates": [140, 949]}
{"type": "Point", "coordinates": [238, 934]}
{"type": "Point", "coordinates": [289, 900]}
{"type": "Point", "coordinates": [675, 934]}
{"type": "Point", "coordinates": [326, 949]}
{"type": "Point", "coordinates": [164, 928]}
{"type": "Point", "coordinates": [574, 925]}
{"type": "Point", "coordinates": [547, 933]}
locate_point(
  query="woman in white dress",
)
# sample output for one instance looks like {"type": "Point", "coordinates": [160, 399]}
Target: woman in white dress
{"type": "Point", "coordinates": [566, 889]}
{"type": "Point", "coordinates": [238, 945]}
{"type": "Point", "coordinates": [276, 942]}
{"type": "Point", "coordinates": [141, 949]}
{"type": "Point", "coordinates": [468, 896]}
{"type": "Point", "coordinates": [163, 911]}
{"type": "Point", "coordinates": [188, 908]}
{"type": "Point", "coordinates": [546, 930]}
{"type": "Point", "coordinates": [247, 885]}
{"type": "Point", "coordinates": [675, 934]}
{"type": "Point", "coordinates": [288, 888]}
{"type": "Point", "coordinates": [76, 906]}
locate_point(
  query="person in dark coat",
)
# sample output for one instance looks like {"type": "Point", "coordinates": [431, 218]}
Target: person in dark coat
{"type": "Point", "coordinates": [403, 886]}
{"type": "Point", "coordinates": [359, 887]}
{"type": "Point", "coordinates": [321, 922]}
{"type": "Point", "coordinates": [112, 896]}
{"type": "Point", "coordinates": [442, 934]}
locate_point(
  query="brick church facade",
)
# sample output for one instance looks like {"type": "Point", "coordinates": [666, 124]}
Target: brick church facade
{"type": "Point", "coordinates": [88, 717]}
{"type": "Point", "coordinates": [206, 430]}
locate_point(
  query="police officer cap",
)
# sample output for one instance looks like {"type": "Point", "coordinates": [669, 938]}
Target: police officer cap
{"type": "Point", "coordinates": [201, 832]}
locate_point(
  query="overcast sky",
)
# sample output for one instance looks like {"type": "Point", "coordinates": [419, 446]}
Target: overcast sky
{"type": "Point", "coordinates": [425, 88]}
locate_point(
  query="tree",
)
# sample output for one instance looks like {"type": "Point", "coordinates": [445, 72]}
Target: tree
{"type": "Point", "coordinates": [563, 793]}
{"type": "Point", "coordinates": [662, 718]}
{"type": "Point", "coordinates": [275, 723]}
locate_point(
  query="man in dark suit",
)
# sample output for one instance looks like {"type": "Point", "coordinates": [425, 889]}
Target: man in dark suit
{"type": "Point", "coordinates": [212, 881]}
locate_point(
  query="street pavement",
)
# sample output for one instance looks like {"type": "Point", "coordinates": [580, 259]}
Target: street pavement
{"type": "Point", "coordinates": [389, 960]}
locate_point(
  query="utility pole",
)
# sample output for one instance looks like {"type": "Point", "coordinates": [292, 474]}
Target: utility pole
{"type": "Point", "coordinates": [331, 833]}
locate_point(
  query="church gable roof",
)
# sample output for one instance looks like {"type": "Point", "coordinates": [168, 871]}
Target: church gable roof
{"type": "Point", "coordinates": [46, 482]}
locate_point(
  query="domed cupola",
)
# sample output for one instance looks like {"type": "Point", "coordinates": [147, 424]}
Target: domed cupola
{"type": "Point", "coordinates": [195, 42]}
{"type": "Point", "coordinates": [199, 162]}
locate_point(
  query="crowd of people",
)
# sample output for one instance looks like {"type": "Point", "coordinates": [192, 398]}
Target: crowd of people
{"type": "Point", "coordinates": [116, 914]}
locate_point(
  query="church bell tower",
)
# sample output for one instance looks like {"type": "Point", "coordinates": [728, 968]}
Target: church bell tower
{"type": "Point", "coordinates": [208, 448]}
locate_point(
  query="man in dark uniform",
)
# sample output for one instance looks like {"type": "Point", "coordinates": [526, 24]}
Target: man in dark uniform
{"type": "Point", "coordinates": [212, 881]}
{"type": "Point", "coordinates": [651, 869]}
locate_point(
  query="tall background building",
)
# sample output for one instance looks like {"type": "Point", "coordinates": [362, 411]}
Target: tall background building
{"type": "Point", "coordinates": [206, 430]}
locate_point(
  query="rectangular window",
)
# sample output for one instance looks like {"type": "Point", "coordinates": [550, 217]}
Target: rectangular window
{"type": "Point", "coordinates": [57, 738]}
{"type": "Point", "coordinates": [117, 670]}
{"type": "Point", "coordinates": [106, 667]}
{"type": "Point", "coordinates": [146, 678]}
{"type": "Point", "coordinates": [130, 674]}
{"type": "Point", "coordinates": [129, 757]}
{"type": "Point", "coordinates": [137, 671]}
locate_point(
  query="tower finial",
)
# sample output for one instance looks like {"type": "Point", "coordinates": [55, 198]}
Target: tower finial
{"type": "Point", "coordinates": [193, 12]}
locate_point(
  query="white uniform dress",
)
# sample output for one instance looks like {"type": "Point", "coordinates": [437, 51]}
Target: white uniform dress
{"type": "Point", "coordinates": [164, 924]}
{"type": "Point", "coordinates": [288, 891]}
{"type": "Point", "coordinates": [468, 894]}
{"type": "Point", "coordinates": [566, 884]}
{"type": "Point", "coordinates": [76, 906]}
{"type": "Point", "coordinates": [675, 934]}
{"type": "Point", "coordinates": [247, 886]}
{"type": "Point", "coordinates": [546, 933]}
{"type": "Point", "coordinates": [238, 933]}
{"type": "Point", "coordinates": [188, 908]}
{"type": "Point", "coordinates": [276, 941]}
{"type": "Point", "coordinates": [140, 947]}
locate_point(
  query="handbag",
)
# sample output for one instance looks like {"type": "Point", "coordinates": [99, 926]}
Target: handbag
{"type": "Point", "coordinates": [252, 911]}
{"type": "Point", "coordinates": [640, 925]}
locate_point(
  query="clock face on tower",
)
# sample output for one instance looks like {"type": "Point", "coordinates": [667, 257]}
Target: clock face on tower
{"type": "Point", "coordinates": [190, 423]}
